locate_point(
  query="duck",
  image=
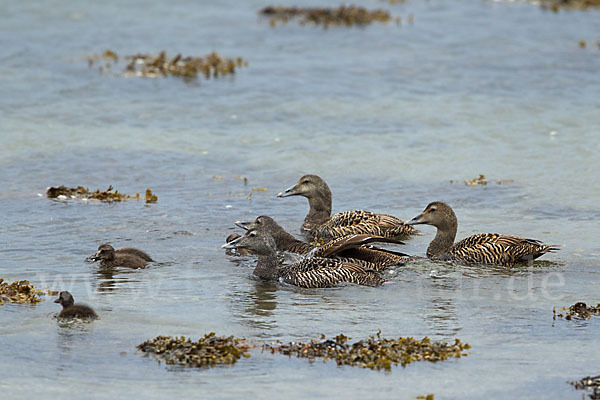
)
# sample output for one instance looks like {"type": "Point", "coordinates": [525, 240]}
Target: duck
{"type": "Point", "coordinates": [321, 226]}
{"type": "Point", "coordinates": [309, 272]}
{"type": "Point", "coordinates": [483, 248]}
{"type": "Point", "coordinates": [126, 257]}
{"type": "Point", "coordinates": [72, 310]}
{"type": "Point", "coordinates": [238, 252]}
{"type": "Point", "coordinates": [350, 247]}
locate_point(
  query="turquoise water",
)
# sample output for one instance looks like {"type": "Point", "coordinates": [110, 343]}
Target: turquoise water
{"type": "Point", "coordinates": [386, 114]}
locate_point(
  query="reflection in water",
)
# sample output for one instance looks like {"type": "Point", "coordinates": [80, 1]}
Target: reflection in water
{"type": "Point", "coordinates": [108, 281]}
{"type": "Point", "coordinates": [255, 306]}
{"type": "Point", "coordinates": [72, 337]}
{"type": "Point", "coordinates": [440, 309]}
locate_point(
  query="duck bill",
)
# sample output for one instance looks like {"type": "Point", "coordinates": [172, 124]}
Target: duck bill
{"type": "Point", "coordinates": [57, 300]}
{"type": "Point", "coordinates": [288, 192]}
{"type": "Point", "coordinates": [418, 220]}
{"type": "Point", "coordinates": [92, 258]}
{"type": "Point", "coordinates": [234, 244]}
{"type": "Point", "coordinates": [245, 225]}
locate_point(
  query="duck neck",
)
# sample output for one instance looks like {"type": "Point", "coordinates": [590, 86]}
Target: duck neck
{"type": "Point", "coordinates": [268, 267]}
{"type": "Point", "coordinates": [285, 241]}
{"type": "Point", "coordinates": [320, 210]}
{"type": "Point", "coordinates": [443, 241]}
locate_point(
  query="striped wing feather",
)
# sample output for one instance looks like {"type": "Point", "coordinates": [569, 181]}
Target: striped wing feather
{"type": "Point", "coordinates": [319, 272]}
{"type": "Point", "coordinates": [362, 222]}
{"type": "Point", "coordinates": [494, 248]}
{"type": "Point", "coordinates": [340, 244]}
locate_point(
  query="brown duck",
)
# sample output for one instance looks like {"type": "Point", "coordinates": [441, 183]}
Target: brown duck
{"type": "Point", "coordinates": [310, 272]}
{"type": "Point", "coordinates": [72, 310]}
{"type": "Point", "coordinates": [126, 257]}
{"type": "Point", "coordinates": [345, 247]}
{"type": "Point", "coordinates": [322, 226]}
{"type": "Point", "coordinates": [483, 248]}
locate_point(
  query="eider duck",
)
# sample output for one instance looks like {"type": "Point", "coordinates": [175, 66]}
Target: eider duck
{"type": "Point", "coordinates": [127, 257]}
{"type": "Point", "coordinates": [483, 248]}
{"type": "Point", "coordinates": [345, 247]}
{"type": "Point", "coordinates": [311, 272]}
{"type": "Point", "coordinates": [72, 310]}
{"type": "Point", "coordinates": [322, 226]}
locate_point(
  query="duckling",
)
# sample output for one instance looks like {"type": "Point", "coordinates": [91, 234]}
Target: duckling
{"type": "Point", "coordinates": [127, 257]}
{"type": "Point", "coordinates": [312, 272]}
{"type": "Point", "coordinates": [238, 252]}
{"type": "Point", "coordinates": [72, 310]}
{"type": "Point", "coordinates": [322, 226]}
{"type": "Point", "coordinates": [345, 247]}
{"type": "Point", "coordinates": [483, 248]}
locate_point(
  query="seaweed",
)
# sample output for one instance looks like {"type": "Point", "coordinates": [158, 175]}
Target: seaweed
{"type": "Point", "coordinates": [482, 181]}
{"type": "Point", "coordinates": [579, 310]}
{"type": "Point", "coordinates": [589, 383]}
{"type": "Point", "coordinates": [19, 292]}
{"type": "Point", "coordinates": [556, 5]}
{"type": "Point", "coordinates": [341, 16]}
{"type": "Point", "coordinates": [160, 65]}
{"type": "Point", "coordinates": [209, 351]}
{"type": "Point", "coordinates": [373, 353]}
{"type": "Point", "coordinates": [106, 196]}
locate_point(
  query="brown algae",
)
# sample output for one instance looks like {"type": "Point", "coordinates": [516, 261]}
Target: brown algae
{"type": "Point", "coordinates": [374, 353]}
{"type": "Point", "coordinates": [589, 383]}
{"type": "Point", "coordinates": [482, 181]}
{"type": "Point", "coordinates": [19, 292]}
{"type": "Point", "coordinates": [209, 351]}
{"type": "Point", "coordinates": [106, 196]}
{"type": "Point", "coordinates": [579, 310]}
{"type": "Point", "coordinates": [556, 5]}
{"type": "Point", "coordinates": [341, 16]}
{"type": "Point", "coordinates": [160, 65]}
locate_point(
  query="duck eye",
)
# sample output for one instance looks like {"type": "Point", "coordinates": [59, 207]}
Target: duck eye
{"type": "Point", "coordinates": [432, 209]}
{"type": "Point", "coordinates": [253, 233]}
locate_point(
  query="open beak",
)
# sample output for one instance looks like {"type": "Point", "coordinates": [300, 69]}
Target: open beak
{"type": "Point", "coordinates": [232, 244]}
{"type": "Point", "coordinates": [416, 220]}
{"type": "Point", "coordinates": [288, 192]}
{"type": "Point", "coordinates": [92, 258]}
{"type": "Point", "coordinates": [244, 224]}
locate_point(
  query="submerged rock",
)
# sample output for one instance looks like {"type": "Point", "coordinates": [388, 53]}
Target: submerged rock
{"type": "Point", "coordinates": [107, 196]}
{"type": "Point", "coordinates": [343, 15]}
{"type": "Point", "coordinates": [211, 350]}
{"type": "Point", "coordinates": [589, 383]}
{"type": "Point", "coordinates": [19, 292]}
{"type": "Point", "coordinates": [374, 352]}
{"type": "Point", "coordinates": [579, 310]}
{"type": "Point", "coordinates": [153, 66]}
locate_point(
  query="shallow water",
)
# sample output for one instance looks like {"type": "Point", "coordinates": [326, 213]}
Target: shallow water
{"type": "Point", "coordinates": [388, 115]}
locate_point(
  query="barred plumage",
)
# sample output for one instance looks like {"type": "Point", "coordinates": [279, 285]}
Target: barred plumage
{"type": "Point", "coordinates": [346, 248]}
{"type": "Point", "coordinates": [311, 272]}
{"type": "Point", "coordinates": [484, 248]}
{"type": "Point", "coordinates": [322, 226]}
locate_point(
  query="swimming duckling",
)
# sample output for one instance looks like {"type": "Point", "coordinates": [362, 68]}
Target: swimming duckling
{"type": "Point", "coordinates": [346, 247]}
{"type": "Point", "coordinates": [321, 225]}
{"type": "Point", "coordinates": [236, 252]}
{"type": "Point", "coordinates": [130, 258]}
{"type": "Point", "coordinates": [72, 310]}
{"type": "Point", "coordinates": [483, 248]}
{"type": "Point", "coordinates": [312, 272]}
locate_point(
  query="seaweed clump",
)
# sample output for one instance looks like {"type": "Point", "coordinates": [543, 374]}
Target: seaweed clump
{"type": "Point", "coordinates": [556, 5]}
{"type": "Point", "coordinates": [374, 353]}
{"type": "Point", "coordinates": [343, 15]}
{"type": "Point", "coordinates": [481, 180]}
{"type": "Point", "coordinates": [589, 383]}
{"type": "Point", "coordinates": [153, 66]}
{"type": "Point", "coordinates": [106, 196]}
{"type": "Point", "coordinates": [19, 292]}
{"type": "Point", "coordinates": [209, 351]}
{"type": "Point", "coordinates": [579, 310]}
